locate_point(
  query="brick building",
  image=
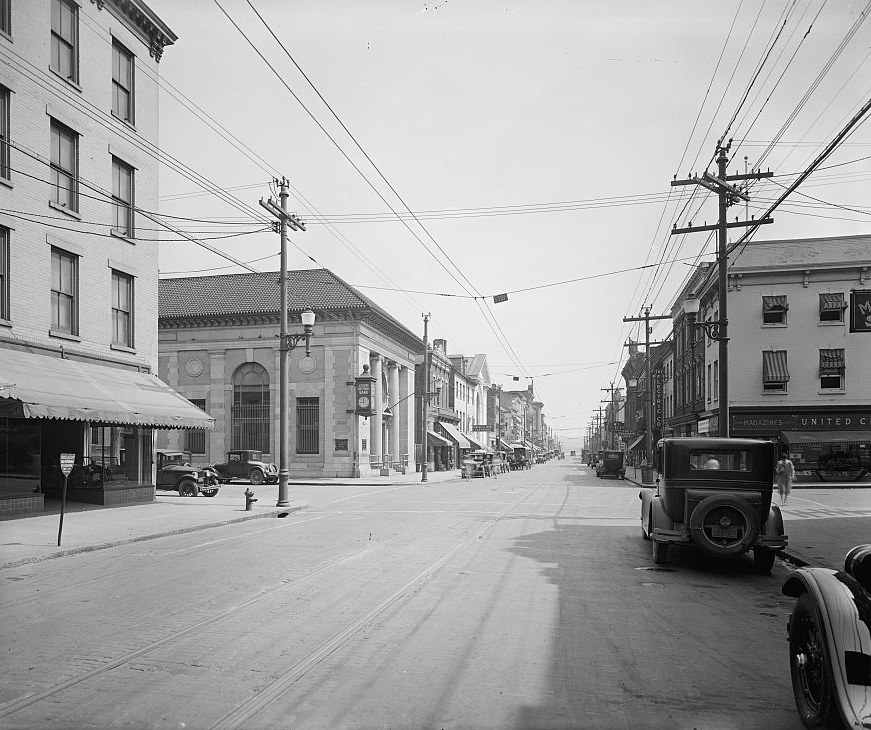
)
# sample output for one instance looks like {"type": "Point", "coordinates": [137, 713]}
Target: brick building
{"type": "Point", "coordinates": [78, 277]}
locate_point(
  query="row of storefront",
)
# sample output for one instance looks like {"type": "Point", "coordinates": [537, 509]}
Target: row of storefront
{"type": "Point", "coordinates": [825, 445]}
{"type": "Point", "coordinates": [105, 416]}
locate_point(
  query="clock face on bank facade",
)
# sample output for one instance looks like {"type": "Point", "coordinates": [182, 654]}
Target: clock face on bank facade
{"type": "Point", "coordinates": [363, 402]}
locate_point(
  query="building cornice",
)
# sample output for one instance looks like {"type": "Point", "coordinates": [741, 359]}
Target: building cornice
{"type": "Point", "coordinates": [143, 21]}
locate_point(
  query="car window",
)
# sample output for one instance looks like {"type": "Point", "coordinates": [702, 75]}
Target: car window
{"type": "Point", "coordinates": [255, 456]}
{"type": "Point", "coordinates": [720, 459]}
{"type": "Point", "coordinates": [235, 457]}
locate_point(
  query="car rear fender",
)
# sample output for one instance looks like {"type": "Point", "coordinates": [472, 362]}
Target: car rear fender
{"type": "Point", "coordinates": [659, 519]}
{"type": "Point", "coordinates": [772, 533]}
{"type": "Point", "coordinates": [843, 611]}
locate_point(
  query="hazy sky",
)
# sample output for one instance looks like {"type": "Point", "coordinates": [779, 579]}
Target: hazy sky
{"type": "Point", "coordinates": [535, 141]}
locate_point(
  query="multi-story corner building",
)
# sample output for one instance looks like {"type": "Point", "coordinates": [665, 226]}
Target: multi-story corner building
{"type": "Point", "coordinates": [78, 278]}
{"type": "Point", "coordinates": [799, 353]}
{"type": "Point", "coordinates": [219, 346]}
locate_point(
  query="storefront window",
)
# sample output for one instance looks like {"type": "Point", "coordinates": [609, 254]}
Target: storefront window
{"type": "Point", "coordinates": [119, 455]}
{"type": "Point", "coordinates": [19, 456]}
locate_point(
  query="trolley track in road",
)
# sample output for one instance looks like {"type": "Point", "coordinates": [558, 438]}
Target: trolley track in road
{"type": "Point", "coordinates": [14, 706]}
{"type": "Point", "coordinates": [269, 694]}
{"type": "Point", "coordinates": [241, 717]}
{"type": "Point", "coordinates": [107, 576]}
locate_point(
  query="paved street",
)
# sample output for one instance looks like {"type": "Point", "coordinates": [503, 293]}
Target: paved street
{"type": "Point", "coordinates": [525, 601]}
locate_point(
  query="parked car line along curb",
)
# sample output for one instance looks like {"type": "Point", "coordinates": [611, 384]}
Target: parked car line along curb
{"type": "Point", "coordinates": [151, 536]}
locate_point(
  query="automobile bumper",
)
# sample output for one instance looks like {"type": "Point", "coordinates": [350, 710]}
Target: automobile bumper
{"type": "Point", "coordinates": [773, 542]}
{"type": "Point", "coordinates": [671, 535]}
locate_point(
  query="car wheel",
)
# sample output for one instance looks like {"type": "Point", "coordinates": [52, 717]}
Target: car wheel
{"type": "Point", "coordinates": [187, 488]}
{"type": "Point", "coordinates": [763, 560]}
{"type": "Point", "coordinates": [209, 492]}
{"type": "Point", "coordinates": [812, 680]}
{"type": "Point", "coordinates": [255, 476]}
{"type": "Point", "coordinates": [724, 525]}
{"type": "Point", "coordinates": [660, 551]}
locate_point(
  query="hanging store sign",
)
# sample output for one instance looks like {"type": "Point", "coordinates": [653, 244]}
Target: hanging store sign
{"type": "Point", "coordinates": [860, 310]}
{"type": "Point", "coordinates": [657, 400]}
{"type": "Point", "coordinates": [483, 427]}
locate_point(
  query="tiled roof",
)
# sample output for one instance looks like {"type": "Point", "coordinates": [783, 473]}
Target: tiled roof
{"type": "Point", "coordinates": [233, 294]}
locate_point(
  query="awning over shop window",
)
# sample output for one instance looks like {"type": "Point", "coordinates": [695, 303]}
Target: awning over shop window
{"type": "Point", "coordinates": [475, 441]}
{"type": "Point", "coordinates": [636, 442]}
{"type": "Point", "coordinates": [517, 446]}
{"type": "Point", "coordinates": [775, 304]}
{"type": "Point", "coordinates": [774, 368]}
{"type": "Point", "coordinates": [832, 362]}
{"type": "Point", "coordinates": [439, 440]}
{"type": "Point", "coordinates": [832, 302]}
{"type": "Point", "coordinates": [504, 445]}
{"type": "Point", "coordinates": [42, 386]}
{"type": "Point", "coordinates": [452, 431]}
{"type": "Point", "coordinates": [529, 445]}
{"type": "Point", "coordinates": [826, 437]}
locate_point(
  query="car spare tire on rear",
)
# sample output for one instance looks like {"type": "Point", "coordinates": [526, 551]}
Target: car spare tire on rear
{"type": "Point", "coordinates": [724, 524]}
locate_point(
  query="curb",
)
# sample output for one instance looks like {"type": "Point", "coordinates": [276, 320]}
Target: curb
{"type": "Point", "coordinates": [277, 513]}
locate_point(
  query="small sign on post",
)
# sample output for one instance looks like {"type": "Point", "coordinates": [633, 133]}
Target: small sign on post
{"type": "Point", "coordinates": [66, 466]}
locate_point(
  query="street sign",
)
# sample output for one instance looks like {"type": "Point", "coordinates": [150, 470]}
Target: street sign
{"type": "Point", "coordinates": [66, 463]}
{"type": "Point", "coordinates": [66, 466]}
{"type": "Point", "coordinates": [483, 427]}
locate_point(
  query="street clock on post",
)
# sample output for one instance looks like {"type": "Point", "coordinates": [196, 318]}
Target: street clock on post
{"type": "Point", "coordinates": [364, 386]}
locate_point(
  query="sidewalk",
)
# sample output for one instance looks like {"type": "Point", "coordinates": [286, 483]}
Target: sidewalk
{"type": "Point", "coordinates": [32, 538]}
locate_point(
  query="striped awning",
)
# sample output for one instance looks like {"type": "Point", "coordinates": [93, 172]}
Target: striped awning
{"type": "Point", "coordinates": [832, 362]}
{"type": "Point", "coordinates": [832, 302]}
{"type": "Point", "coordinates": [439, 440]}
{"type": "Point", "coordinates": [452, 431]}
{"type": "Point", "coordinates": [774, 368]}
{"type": "Point", "coordinates": [476, 441]}
{"type": "Point", "coordinates": [637, 441]}
{"type": "Point", "coordinates": [776, 303]}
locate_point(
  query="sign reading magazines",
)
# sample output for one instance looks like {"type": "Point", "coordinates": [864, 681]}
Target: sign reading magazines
{"type": "Point", "coordinates": [860, 311]}
{"type": "Point", "coordinates": [657, 400]}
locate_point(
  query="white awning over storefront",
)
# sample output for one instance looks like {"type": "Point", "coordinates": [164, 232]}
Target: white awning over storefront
{"type": "Point", "coordinates": [452, 431]}
{"type": "Point", "coordinates": [42, 386]}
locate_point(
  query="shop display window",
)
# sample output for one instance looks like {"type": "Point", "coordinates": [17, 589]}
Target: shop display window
{"type": "Point", "coordinates": [118, 455]}
{"type": "Point", "coordinates": [19, 456]}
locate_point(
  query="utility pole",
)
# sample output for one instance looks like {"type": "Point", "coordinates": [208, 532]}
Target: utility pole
{"type": "Point", "coordinates": [425, 401]}
{"type": "Point", "coordinates": [648, 375]}
{"type": "Point", "coordinates": [285, 220]}
{"type": "Point", "coordinates": [727, 195]}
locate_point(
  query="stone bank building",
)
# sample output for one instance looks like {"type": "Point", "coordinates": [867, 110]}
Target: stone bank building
{"type": "Point", "coordinates": [219, 347]}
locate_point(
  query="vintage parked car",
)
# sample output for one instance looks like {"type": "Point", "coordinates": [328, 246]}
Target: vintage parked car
{"type": "Point", "coordinates": [611, 465]}
{"type": "Point", "coordinates": [714, 493]}
{"type": "Point", "coordinates": [828, 630]}
{"type": "Point", "coordinates": [174, 472]}
{"type": "Point", "coordinates": [246, 464]}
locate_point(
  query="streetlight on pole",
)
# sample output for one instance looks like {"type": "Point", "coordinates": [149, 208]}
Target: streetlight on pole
{"type": "Point", "coordinates": [288, 342]}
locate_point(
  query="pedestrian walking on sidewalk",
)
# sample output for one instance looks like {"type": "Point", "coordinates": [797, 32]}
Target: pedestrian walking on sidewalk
{"type": "Point", "coordinates": [784, 473]}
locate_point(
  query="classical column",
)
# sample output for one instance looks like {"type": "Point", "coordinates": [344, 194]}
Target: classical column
{"type": "Point", "coordinates": [393, 395]}
{"type": "Point", "coordinates": [375, 448]}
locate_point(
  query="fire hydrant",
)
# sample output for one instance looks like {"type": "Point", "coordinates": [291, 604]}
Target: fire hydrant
{"type": "Point", "coordinates": [250, 499]}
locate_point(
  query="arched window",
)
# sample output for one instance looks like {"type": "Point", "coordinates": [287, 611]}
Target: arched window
{"type": "Point", "coordinates": [251, 408]}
